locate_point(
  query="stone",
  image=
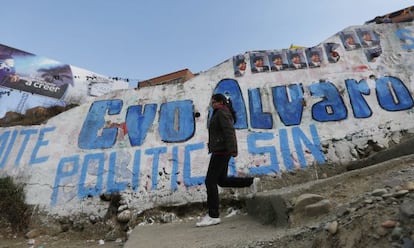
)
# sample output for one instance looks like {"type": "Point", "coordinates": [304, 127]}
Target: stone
{"type": "Point", "coordinates": [168, 218]}
{"type": "Point", "coordinates": [407, 211]}
{"type": "Point", "coordinates": [65, 227]}
{"type": "Point", "coordinates": [389, 223]}
{"type": "Point", "coordinates": [388, 195]}
{"type": "Point", "coordinates": [332, 227]}
{"type": "Point", "coordinates": [382, 231]}
{"type": "Point", "coordinates": [79, 225]}
{"type": "Point", "coordinates": [33, 233]}
{"type": "Point", "coordinates": [379, 192]}
{"type": "Point", "coordinates": [319, 208]}
{"type": "Point", "coordinates": [396, 233]}
{"type": "Point", "coordinates": [306, 199]}
{"type": "Point", "coordinates": [53, 229]}
{"type": "Point", "coordinates": [408, 243]}
{"type": "Point", "coordinates": [93, 219]}
{"type": "Point", "coordinates": [401, 193]}
{"type": "Point", "coordinates": [409, 186]}
{"type": "Point", "coordinates": [342, 210]}
{"type": "Point", "coordinates": [124, 216]}
{"type": "Point", "coordinates": [122, 208]}
{"type": "Point", "coordinates": [114, 234]}
{"type": "Point", "coordinates": [269, 210]}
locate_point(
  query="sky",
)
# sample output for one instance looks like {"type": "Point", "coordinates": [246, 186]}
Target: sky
{"type": "Point", "coordinates": [139, 40]}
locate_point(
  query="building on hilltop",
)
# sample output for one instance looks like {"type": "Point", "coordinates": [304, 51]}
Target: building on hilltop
{"type": "Point", "coordinates": [403, 15]}
{"type": "Point", "coordinates": [171, 78]}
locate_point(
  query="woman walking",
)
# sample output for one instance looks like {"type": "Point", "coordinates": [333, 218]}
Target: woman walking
{"type": "Point", "coordinates": [222, 144]}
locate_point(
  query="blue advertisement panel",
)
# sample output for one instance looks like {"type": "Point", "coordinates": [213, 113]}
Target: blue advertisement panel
{"type": "Point", "coordinates": [34, 74]}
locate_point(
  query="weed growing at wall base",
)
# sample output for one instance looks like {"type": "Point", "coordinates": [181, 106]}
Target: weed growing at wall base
{"type": "Point", "coordinates": [13, 208]}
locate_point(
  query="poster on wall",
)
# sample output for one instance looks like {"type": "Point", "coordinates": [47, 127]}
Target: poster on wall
{"type": "Point", "coordinates": [314, 57]}
{"type": "Point", "coordinates": [278, 61]}
{"type": "Point", "coordinates": [259, 62]}
{"type": "Point", "coordinates": [239, 65]}
{"type": "Point", "coordinates": [297, 59]}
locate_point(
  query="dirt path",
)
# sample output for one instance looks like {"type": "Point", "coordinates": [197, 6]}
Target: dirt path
{"type": "Point", "coordinates": [238, 229]}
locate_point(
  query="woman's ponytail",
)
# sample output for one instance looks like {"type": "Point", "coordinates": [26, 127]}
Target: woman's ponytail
{"type": "Point", "coordinates": [229, 104]}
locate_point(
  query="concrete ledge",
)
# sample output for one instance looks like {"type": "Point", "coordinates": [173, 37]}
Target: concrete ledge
{"type": "Point", "coordinates": [268, 209]}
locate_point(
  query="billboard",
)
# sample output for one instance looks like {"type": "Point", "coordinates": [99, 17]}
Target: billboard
{"type": "Point", "coordinates": [28, 80]}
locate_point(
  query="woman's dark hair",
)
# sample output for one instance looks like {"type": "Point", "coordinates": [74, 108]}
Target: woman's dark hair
{"type": "Point", "coordinates": [227, 102]}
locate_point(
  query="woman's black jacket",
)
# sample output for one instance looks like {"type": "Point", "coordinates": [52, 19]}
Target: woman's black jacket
{"type": "Point", "coordinates": [221, 132]}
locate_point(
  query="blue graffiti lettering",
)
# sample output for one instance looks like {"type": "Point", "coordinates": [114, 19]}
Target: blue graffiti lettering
{"type": "Point", "coordinates": [95, 121]}
{"type": "Point", "coordinates": [96, 162]}
{"type": "Point", "coordinates": [40, 142]}
{"type": "Point", "coordinates": [359, 105]}
{"type": "Point", "coordinates": [112, 184]}
{"type": "Point", "coordinates": [92, 172]}
{"type": "Point", "coordinates": [288, 101]}
{"type": "Point", "coordinates": [27, 135]}
{"type": "Point", "coordinates": [22, 147]}
{"type": "Point", "coordinates": [188, 179]}
{"type": "Point", "coordinates": [285, 149]}
{"type": "Point", "coordinates": [136, 169]}
{"type": "Point", "coordinates": [298, 137]}
{"type": "Point", "coordinates": [3, 151]}
{"type": "Point", "coordinates": [8, 142]}
{"type": "Point", "coordinates": [64, 172]}
{"type": "Point", "coordinates": [155, 163]}
{"type": "Point", "coordinates": [273, 167]}
{"type": "Point", "coordinates": [407, 37]}
{"type": "Point", "coordinates": [231, 89]}
{"type": "Point", "coordinates": [176, 121]}
{"type": "Point", "coordinates": [174, 171]}
{"type": "Point", "coordinates": [392, 94]}
{"type": "Point", "coordinates": [331, 107]}
{"type": "Point", "coordinates": [232, 167]}
{"type": "Point", "coordinates": [138, 123]}
{"type": "Point", "coordinates": [258, 119]}
{"type": "Point", "coordinates": [315, 147]}
{"type": "Point", "coordinates": [93, 168]}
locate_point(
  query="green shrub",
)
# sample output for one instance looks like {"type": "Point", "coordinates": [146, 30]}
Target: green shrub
{"type": "Point", "coordinates": [13, 208]}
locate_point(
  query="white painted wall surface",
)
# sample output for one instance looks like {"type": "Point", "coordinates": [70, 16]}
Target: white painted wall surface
{"type": "Point", "coordinates": [50, 158]}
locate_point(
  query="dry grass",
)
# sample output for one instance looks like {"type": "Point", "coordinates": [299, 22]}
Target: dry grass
{"type": "Point", "coordinates": [13, 208]}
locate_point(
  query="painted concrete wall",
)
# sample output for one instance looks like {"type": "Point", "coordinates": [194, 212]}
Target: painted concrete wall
{"type": "Point", "coordinates": [150, 144]}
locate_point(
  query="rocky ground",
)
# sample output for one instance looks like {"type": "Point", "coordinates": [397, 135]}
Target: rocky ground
{"type": "Point", "coordinates": [370, 207]}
